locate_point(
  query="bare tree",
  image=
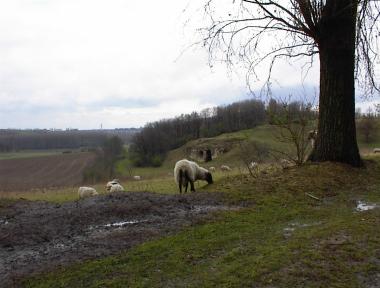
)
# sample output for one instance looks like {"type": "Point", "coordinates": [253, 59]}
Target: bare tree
{"type": "Point", "coordinates": [343, 32]}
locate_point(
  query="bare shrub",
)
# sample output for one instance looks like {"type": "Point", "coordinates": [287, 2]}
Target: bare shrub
{"type": "Point", "coordinates": [251, 151]}
{"type": "Point", "coordinates": [292, 124]}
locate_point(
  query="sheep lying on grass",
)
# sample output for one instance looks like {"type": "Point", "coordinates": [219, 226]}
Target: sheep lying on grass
{"type": "Point", "coordinates": [186, 172]}
{"type": "Point", "coordinates": [376, 150]}
{"type": "Point", "coordinates": [84, 192]}
{"type": "Point", "coordinates": [137, 177]}
{"type": "Point", "coordinates": [212, 168]}
{"type": "Point", "coordinates": [225, 168]}
{"type": "Point", "coordinates": [114, 186]}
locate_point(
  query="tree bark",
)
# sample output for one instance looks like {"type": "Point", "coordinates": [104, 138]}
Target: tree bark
{"type": "Point", "coordinates": [336, 138]}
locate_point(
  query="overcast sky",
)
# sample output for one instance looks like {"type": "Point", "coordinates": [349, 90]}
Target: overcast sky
{"type": "Point", "coordinates": [119, 63]}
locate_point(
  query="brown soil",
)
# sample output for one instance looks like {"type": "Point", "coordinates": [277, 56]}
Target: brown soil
{"type": "Point", "coordinates": [36, 237]}
{"type": "Point", "coordinates": [42, 172]}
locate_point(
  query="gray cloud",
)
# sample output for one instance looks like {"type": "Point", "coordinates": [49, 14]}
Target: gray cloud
{"type": "Point", "coordinates": [79, 63]}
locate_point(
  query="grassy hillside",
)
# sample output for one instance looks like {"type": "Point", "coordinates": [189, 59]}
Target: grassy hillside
{"type": "Point", "coordinates": [264, 135]}
{"type": "Point", "coordinates": [300, 228]}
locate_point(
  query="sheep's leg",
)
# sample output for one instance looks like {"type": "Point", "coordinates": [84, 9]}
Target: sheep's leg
{"type": "Point", "coordinates": [192, 186]}
{"type": "Point", "coordinates": [186, 186]}
{"type": "Point", "coordinates": [180, 183]}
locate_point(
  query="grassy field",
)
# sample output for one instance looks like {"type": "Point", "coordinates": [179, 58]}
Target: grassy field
{"type": "Point", "coordinates": [284, 238]}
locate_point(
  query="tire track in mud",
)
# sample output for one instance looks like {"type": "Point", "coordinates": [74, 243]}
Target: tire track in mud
{"type": "Point", "coordinates": [36, 237]}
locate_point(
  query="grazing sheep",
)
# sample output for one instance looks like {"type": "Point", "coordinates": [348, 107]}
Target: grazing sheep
{"type": "Point", "coordinates": [186, 171]}
{"type": "Point", "coordinates": [116, 188]}
{"type": "Point", "coordinates": [225, 168]}
{"type": "Point", "coordinates": [212, 168]}
{"type": "Point", "coordinates": [137, 177]}
{"type": "Point", "coordinates": [253, 165]}
{"type": "Point", "coordinates": [84, 192]}
{"type": "Point", "coordinates": [376, 150]}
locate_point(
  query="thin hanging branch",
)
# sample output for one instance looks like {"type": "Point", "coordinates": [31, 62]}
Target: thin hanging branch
{"type": "Point", "coordinates": [265, 30]}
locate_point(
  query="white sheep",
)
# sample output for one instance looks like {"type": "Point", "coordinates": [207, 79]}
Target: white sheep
{"type": "Point", "coordinates": [376, 150]}
{"type": "Point", "coordinates": [137, 177]}
{"type": "Point", "coordinates": [253, 165]}
{"type": "Point", "coordinates": [225, 168]}
{"type": "Point", "coordinates": [186, 172]}
{"type": "Point", "coordinates": [84, 192]}
{"type": "Point", "coordinates": [112, 183]}
{"type": "Point", "coordinates": [116, 188]}
{"type": "Point", "coordinates": [212, 169]}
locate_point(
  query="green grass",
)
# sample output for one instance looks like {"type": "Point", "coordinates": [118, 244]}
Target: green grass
{"type": "Point", "coordinates": [332, 245]}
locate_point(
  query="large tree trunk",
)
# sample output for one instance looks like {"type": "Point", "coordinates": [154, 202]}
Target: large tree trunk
{"type": "Point", "coordinates": [336, 139]}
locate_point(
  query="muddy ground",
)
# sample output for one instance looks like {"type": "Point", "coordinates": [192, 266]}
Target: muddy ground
{"type": "Point", "coordinates": [36, 237]}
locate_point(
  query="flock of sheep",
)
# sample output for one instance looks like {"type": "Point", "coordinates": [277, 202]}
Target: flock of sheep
{"type": "Point", "coordinates": [112, 186]}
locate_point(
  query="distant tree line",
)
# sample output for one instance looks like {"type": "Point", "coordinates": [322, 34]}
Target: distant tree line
{"type": "Point", "coordinates": [150, 145]}
{"type": "Point", "coordinates": [14, 140]}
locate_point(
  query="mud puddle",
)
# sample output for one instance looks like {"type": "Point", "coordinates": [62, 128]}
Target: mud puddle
{"type": "Point", "coordinates": [363, 206]}
{"type": "Point", "coordinates": [36, 237]}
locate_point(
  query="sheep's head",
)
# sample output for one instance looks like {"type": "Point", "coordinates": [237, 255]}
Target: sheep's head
{"type": "Point", "coordinates": [111, 183]}
{"type": "Point", "coordinates": [209, 178]}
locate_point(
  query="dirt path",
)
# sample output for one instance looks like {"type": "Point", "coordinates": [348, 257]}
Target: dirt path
{"type": "Point", "coordinates": [39, 236]}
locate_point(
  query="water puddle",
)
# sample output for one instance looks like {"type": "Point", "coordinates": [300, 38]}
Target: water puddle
{"type": "Point", "coordinates": [4, 222]}
{"type": "Point", "coordinates": [115, 225]}
{"type": "Point", "coordinates": [123, 223]}
{"type": "Point", "coordinates": [209, 208]}
{"type": "Point", "coordinates": [363, 206]}
{"type": "Point", "coordinates": [287, 231]}
{"type": "Point", "coordinates": [59, 246]}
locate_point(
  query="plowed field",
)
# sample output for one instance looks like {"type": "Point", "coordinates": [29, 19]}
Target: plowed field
{"type": "Point", "coordinates": [43, 172]}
